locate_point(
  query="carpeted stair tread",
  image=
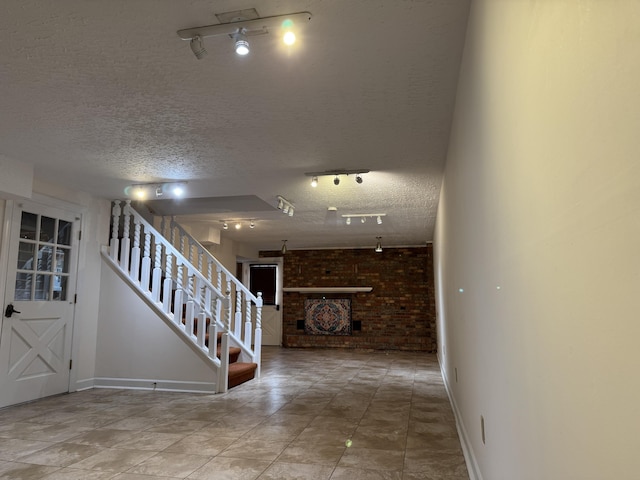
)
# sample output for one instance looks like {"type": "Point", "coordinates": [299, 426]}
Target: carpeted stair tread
{"type": "Point", "coordinates": [240, 372]}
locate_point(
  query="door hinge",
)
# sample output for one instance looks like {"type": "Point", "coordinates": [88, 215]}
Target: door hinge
{"type": "Point", "coordinates": [70, 363]}
{"type": "Point", "coordinates": [75, 298]}
{"type": "Point", "coordinates": [79, 235]}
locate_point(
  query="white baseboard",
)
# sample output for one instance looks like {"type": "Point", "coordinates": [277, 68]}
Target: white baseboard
{"type": "Point", "coordinates": [85, 384]}
{"type": "Point", "coordinates": [467, 449]}
{"type": "Point", "coordinates": [154, 384]}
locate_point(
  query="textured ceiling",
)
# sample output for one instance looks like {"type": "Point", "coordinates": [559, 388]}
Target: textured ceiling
{"type": "Point", "coordinates": [100, 95]}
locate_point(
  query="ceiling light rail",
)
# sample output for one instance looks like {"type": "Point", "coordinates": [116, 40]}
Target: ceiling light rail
{"type": "Point", "coordinates": [158, 190]}
{"type": "Point", "coordinates": [237, 224]}
{"type": "Point", "coordinates": [336, 175]}
{"type": "Point", "coordinates": [239, 30]}
{"type": "Point", "coordinates": [285, 206]}
{"type": "Point", "coordinates": [363, 217]}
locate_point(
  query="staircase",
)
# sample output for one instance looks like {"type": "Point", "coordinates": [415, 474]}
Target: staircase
{"type": "Point", "coordinates": [187, 287]}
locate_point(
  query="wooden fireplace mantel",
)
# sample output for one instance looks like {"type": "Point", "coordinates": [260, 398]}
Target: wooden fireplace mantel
{"type": "Point", "coordinates": [327, 289]}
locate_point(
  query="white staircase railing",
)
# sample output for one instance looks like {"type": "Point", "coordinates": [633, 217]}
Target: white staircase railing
{"type": "Point", "coordinates": [186, 298]}
{"type": "Point", "coordinates": [224, 280]}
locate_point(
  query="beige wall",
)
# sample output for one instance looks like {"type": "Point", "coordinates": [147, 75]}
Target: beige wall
{"type": "Point", "coordinates": [538, 238]}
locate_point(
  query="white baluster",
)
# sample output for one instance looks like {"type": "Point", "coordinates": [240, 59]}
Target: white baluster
{"type": "Point", "coordinates": [146, 262]}
{"type": "Point", "coordinates": [167, 287]}
{"type": "Point", "coordinates": [157, 272]}
{"type": "Point", "coordinates": [248, 327]}
{"type": "Point", "coordinates": [125, 241]}
{"type": "Point", "coordinates": [135, 251]}
{"type": "Point", "coordinates": [115, 228]}
{"type": "Point", "coordinates": [237, 327]}
{"type": "Point", "coordinates": [178, 298]}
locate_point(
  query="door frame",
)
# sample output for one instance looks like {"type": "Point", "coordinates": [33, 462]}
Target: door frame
{"type": "Point", "coordinates": [5, 243]}
{"type": "Point", "coordinates": [246, 272]}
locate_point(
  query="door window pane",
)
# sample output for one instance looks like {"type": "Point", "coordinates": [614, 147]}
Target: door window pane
{"type": "Point", "coordinates": [47, 229]}
{"type": "Point", "coordinates": [23, 286]}
{"type": "Point", "coordinates": [62, 260]}
{"type": "Point", "coordinates": [59, 287]}
{"type": "Point", "coordinates": [262, 278]}
{"type": "Point", "coordinates": [28, 225]}
{"type": "Point", "coordinates": [45, 258]}
{"type": "Point", "coordinates": [25, 256]}
{"type": "Point", "coordinates": [64, 232]}
{"type": "Point", "coordinates": [42, 287]}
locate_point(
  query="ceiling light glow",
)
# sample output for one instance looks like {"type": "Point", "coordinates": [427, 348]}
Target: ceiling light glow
{"type": "Point", "coordinates": [289, 38]}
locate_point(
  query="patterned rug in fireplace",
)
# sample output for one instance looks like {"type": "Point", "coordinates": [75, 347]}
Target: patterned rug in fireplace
{"type": "Point", "coordinates": [327, 316]}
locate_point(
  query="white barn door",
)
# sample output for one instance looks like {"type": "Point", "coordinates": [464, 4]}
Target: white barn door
{"type": "Point", "coordinates": [38, 308]}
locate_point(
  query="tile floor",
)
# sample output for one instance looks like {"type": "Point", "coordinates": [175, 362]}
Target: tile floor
{"type": "Point", "coordinates": [293, 423]}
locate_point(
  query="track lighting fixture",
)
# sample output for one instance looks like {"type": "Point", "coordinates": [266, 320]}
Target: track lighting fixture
{"type": "Point", "coordinates": [237, 224]}
{"type": "Point", "coordinates": [336, 175]}
{"type": "Point", "coordinates": [197, 47]}
{"type": "Point", "coordinates": [285, 205]}
{"type": "Point", "coordinates": [284, 247]}
{"type": "Point", "coordinates": [156, 190]}
{"type": "Point", "coordinates": [363, 217]}
{"type": "Point", "coordinates": [379, 245]}
{"type": "Point", "coordinates": [242, 45]}
{"type": "Point", "coordinates": [238, 25]}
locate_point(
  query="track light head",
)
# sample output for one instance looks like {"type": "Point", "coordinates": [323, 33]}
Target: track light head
{"type": "Point", "coordinates": [252, 224]}
{"type": "Point", "coordinates": [241, 43]}
{"type": "Point", "coordinates": [348, 221]}
{"type": "Point", "coordinates": [358, 178]}
{"type": "Point", "coordinates": [336, 180]}
{"type": "Point", "coordinates": [314, 182]}
{"type": "Point", "coordinates": [379, 220]}
{"type": "Point", "coordinates": [291, 211]}
{"type": "Point", "coordinates": [284, 247]}
{"type": "Point", "coordinates": [378, 245]}
{"type": "Point", "coordinates": [197, 47]}
{"type": "Point", "coordinates": [225, 225]}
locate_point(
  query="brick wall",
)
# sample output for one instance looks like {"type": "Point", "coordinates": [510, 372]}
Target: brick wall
{"type": "Point", "coordinates": [398, 314]}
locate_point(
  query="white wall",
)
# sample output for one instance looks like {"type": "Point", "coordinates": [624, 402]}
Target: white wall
{"type": "Point", "coordinates": [136, 348]}
{"type": "Point", "coordinates": [539, 225]}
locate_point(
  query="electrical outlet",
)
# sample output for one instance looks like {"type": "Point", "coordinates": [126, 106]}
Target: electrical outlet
{"type": "Point", "coordinates": [482, 429]}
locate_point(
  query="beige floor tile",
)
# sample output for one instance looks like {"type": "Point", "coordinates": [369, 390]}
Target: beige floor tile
{"type": "Point", "coordinates": [169, 464]}
{"type": "Point", "coordinates": [373, 459]}
{"type": "Point", "coordinates": [152, 441]}
{"type": "Point", "coordinates": [256, 449]}
{"type": "Point", "coordinates": [75, 474]}
{"type": "Point", "coordinates": [24, 471]}
{"type": "Point", "coordinates": [300, 452]}
{"type": "Point", "coordinates": [60, 454]}
{"type": "Point", "coordinates": [349, 473]}
{"type": "Point", "coordinates": [296, 471]}
{"type": "Point", "coordinates": [12, 449]}
{"type": "Point", "coordinates": [201, 444]}
{"type": "Point", "coordinates": [222, 468]}
{"type": "Point", "coordinates": [113, 460]}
